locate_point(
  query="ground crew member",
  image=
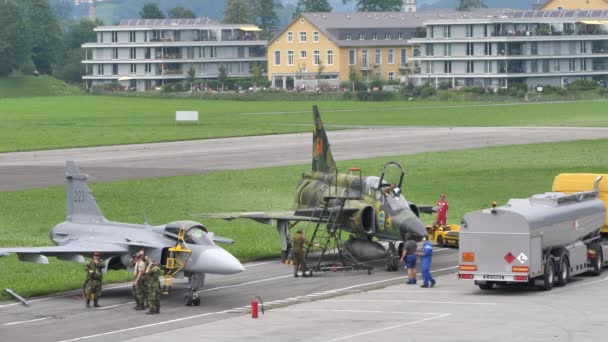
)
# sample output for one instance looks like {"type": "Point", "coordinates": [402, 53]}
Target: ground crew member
{"type": "Point", "coordinates": [138, 284]}
{"type": "Point", "coordinates": [298, 252]}
{"type": "Point", "coordinates": [409, 254]}
{"type": "Point", "coordinates": [442, 211]}
{"type": "Point", "coordinates": [92, 286]}
{"type": "Point", "coordinates": [153, 273]}
{"type": "Point", "coordinates": [426, 256]}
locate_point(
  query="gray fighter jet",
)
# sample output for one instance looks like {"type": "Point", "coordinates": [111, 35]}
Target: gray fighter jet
{"type": "Point", "coordinates": [85, 231]}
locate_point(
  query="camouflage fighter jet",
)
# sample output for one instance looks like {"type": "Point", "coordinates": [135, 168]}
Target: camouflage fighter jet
{"type": "Point", "coordinates": [86, 231]}
{"type": "Point", "coordinates": [367, 207]}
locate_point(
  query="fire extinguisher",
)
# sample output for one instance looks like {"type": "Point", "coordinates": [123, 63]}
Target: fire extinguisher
{"type": "Point", "coordinates": [256, 302]}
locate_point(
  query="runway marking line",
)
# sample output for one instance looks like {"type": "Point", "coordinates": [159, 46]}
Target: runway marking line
{"type": "Point", "coordinates": [365, 311]}
{"type": "Point", "coordinates": [408, 301]}
{"type": "Point", "coordinates": [389, 328]}
{"type": "Point", "coordinates": [31, 320]}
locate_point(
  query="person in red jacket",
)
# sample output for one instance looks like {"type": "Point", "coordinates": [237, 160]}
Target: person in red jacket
{"type": "Point", "coordinates": [442, 211]}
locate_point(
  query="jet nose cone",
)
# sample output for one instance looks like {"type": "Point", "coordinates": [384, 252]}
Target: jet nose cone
{"type": "Point", "coordinates": [415, 227]}
{"type": "Point", "coordinates": [218, 261]}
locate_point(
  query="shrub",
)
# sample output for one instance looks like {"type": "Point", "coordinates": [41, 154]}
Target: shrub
{"type": "Point", "coordinates": [583, 85]}
{"type": "Point", "coordinates": [374, 95]}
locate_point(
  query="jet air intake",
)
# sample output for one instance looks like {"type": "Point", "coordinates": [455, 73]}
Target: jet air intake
{"type": "Point", "coordinates": [364, 218]}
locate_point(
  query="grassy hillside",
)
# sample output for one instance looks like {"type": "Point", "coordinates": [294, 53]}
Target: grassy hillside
{"type": "Point", "coordinates": [31, 86]}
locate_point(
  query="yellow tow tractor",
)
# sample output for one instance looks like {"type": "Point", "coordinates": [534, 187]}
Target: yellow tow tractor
{"type": "Point", "coordinates": [444, 236]}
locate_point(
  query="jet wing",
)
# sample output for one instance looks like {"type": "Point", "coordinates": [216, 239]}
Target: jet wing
{"type": "Point", "coordinates": [309, 214]}
{"type": "Point", "coordinates": [70, 251]}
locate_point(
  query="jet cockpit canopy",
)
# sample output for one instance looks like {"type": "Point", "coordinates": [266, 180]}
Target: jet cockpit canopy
{"type": "Point", "coordinates": [196, 233]}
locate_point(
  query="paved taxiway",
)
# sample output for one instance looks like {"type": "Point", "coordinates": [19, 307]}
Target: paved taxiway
{"type": "Point", "coordinates": [453, 311]}
{"type": "Point", "coordinates": [62, 317]}
{"type": "Point", "coordinates": [24, 170]}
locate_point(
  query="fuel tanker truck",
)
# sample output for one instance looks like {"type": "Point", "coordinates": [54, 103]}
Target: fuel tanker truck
{"type": "Point", "coordinates": [540, 241]}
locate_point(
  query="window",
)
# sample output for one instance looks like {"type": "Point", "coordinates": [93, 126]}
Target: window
{"type": "Point", "coordinates": [303, 54]}
{"type": "Point", "coordinates": [583, 64]}
{"type": "Point", "coordinates": [470, 67]}
{"type": "Point", "coordinates": [100, 70]}
{"type": "Point", "coordinates": [213, 52]}
{"type": "Point", "coordinates": [400, 35]}
{"type": "Point", "coordinates": [131, 36]}
{"type": "Point", "coordinates": [429, 49]}
{"type": "Point", "coordinates": [348, 36]}
{"type": "Point", "coordinates": [374, 36]}
{"type": "Point", "coordinates": [316, 57]}
{"type": "Point", "coordinates": [361, 36]}
{"type": "Point", "coordinates": [556, 65]}
{"type": "Point", "coordinates": [148, 68]}
{"type": "Point", "coordinates": [571, 64]}
{"type": "Point", "coordinates": [145, 36]}
{"type": "Point", "coordinates": [378, 57]}
{"type": "Point", "coordinates": [447, 32]}
{"type": "Point", "coordinates": [487, 67]}
{"type": "Point", "coordinates": [447, 49]}
{"type": "Point", "coordinates": [447, 67]}
{"type": "Point", "coordinates": [114, 37]}
{"type": "Point", "coordinates": [403, 56]}
{"type": "Point", "coordinates": [534, 48]}
{"type": "Point", "coordinates": [352, 57]}
{"type": "Point", "coordinates": [430, 67]}
{"type": "Point", "coordinates": [534, 66]}
{"type": "Point", "coordinates": [290, 37]}
{"type": "Point", "coordinates": [545, 65]}
{"type": "Point", "coordinates": [100, 35]}
{"type": "Point", "coordinates": [391, 76]}
{"type": "Point", "coordinates": [485, 30]}
{"type": "Point", "coordinates": [148, 53]}
{"type": "Point", "coordinates": [203, 68]}
{"type": "Point", "coordinates": [315, 37]}
{"type": "Point", "coordinates": [133, 68]}
{"type": "Point", "coordinates": [132, 53]}
{"type": "Point", "coordinates": [388, 36]}
{"type": "Point", "coordinates": [277, 58]}
{"type": "Point", "coordinates": [302, 37]}
{"type": "Point", "coordinates": [114, 69]}
{"type": "Point", "coordinates": [470, 50]}
{"type": "Point", "coordinates": [289, 57]}
{"type": "Point", "coordinates": [583, 47]}
{"type": "Point", "coordinates": [114, 53]}
{"type": "Point", "coordinates": [487, 49]}
{"type": "Point", "coordinates": [364, 58]}
{"type": "Point", "coordinates": [391, 56]}
{"type": "Point", "coordinates": [469, 31]}
{"type": "Point", "coordinates": [330, 57]}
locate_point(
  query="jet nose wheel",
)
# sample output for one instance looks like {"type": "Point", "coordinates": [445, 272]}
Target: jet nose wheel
{"type": "Point", "coordinates": [192, 298]}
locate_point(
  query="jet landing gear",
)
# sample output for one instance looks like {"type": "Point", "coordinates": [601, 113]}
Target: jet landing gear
{"type": "Point", "coordinates": [192, 298]}
{"type": "Point", "coordinates": [391, 262]}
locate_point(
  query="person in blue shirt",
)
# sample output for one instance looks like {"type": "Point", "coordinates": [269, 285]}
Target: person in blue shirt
{"type": "Point", "coordinates": [426, 256]}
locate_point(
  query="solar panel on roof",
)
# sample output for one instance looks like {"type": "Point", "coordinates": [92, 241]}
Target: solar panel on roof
{"type": "Point", "coordinates": [569, 14]}
{"type": "Point", "coordinates": [555, 14]}
{"type": "Point", "coordinates": [528, 14]}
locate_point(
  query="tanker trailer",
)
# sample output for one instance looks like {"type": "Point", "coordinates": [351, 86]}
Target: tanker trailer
{"type": "Point", "coordinates": [541, 241]}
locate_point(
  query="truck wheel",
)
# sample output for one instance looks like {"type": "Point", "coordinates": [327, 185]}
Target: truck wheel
{"type": "Point", "coordinates": [549, 276]}
{"type": "Point", "coordinates": [487, 286]}
{"type": "Point", "coordinates": [598, 262]}
{"type": "Point", "coordinates": [440, 241]}
{"type": "Point", "coordinates": [564, 270]}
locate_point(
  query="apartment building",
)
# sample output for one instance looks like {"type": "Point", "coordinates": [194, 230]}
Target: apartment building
{"type": "Point", "coordinates": [495, 49]}
{"type": "Point", "coordinates": [143, 54]}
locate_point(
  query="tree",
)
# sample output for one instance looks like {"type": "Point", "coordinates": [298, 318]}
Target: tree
{"type": "Point", "coordinates": [467, 5]}
{"type": "Point", "coordinates": [14, 37]}
{"type": "Point", "coordinates": [221, 76]}
{"type": "Point", "coordinates": [312, 6]}
{"type": "Point", "coordinates": [70, 67]}
{"type": "Point", "coordinates": [353, 76]}
{"type": "Point", "coordinates": [265, 16]}
{"type": "Point", "coordinates": [180, 12]}
{"type": "Point", "coordinates": [238, 12]}
{"type": "Point", "coordinates": [46, 35]}
{"type": "Point", "coordinates": [257, 74]}
{"type": "Point", "coordinates": [377, 5]}
{"type": "Point", "coordinates": [191, 76]}
{"type": "Point", "coordinates": [151, 11]}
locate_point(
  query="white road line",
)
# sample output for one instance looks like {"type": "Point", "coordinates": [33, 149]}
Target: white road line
{"type": "Point", "coordinates": [408, 301]}
{"type": "Point", "coordinates": [388, 328]}
{"type": "Point", "coordinates": [146, 326]}
{"type": "Point", "coordinates": [32, 320]}
{"type": "Point", "coordinates": [243, 284]}
{"type": "Point", "coordinates": [571, 287]}
{"type": "Point", "coordinates": [262, 263]}
{"type": "Point", "coordinates": [115, 306]}
{"type": "Point", "coordinates": [366, 311]}
{"type": "Point", "coordinates": [69, 294]}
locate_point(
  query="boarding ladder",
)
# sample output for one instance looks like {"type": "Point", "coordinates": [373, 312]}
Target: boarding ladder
{"type": "Point", "coordinates": [176, 260]}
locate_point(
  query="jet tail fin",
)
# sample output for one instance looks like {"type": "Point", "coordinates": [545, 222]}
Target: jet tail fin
{"type": "Point", "coordinates": [322, 159]}
{"type": "Point", "coordinates": [81, 205]}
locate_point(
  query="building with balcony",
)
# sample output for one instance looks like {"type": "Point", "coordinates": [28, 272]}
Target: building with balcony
{"type": "Point", "coordinates": [143, 54]}
{"type": "Point", "coordinates": [532, 47]}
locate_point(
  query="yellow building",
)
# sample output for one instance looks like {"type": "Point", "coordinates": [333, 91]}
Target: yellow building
{"type": "Point", "coordinates": [328, 46]}
{"type": "Point", "coordinates": [575, 4]}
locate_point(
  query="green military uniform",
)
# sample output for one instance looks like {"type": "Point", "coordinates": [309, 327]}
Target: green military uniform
{"type": "Point", "coordinates": [298, 252]}
{"type": "Point", "coordinates": [152, 276]}
{"type": "Point", "coordinates": [92, 286]}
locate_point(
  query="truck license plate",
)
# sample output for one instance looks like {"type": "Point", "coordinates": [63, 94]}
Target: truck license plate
{"type": "Point", "coordinates": [495, 277]}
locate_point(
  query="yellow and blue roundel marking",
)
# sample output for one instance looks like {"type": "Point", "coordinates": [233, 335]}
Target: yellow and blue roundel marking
{"type": "Point", "coordinates": [381, 218]}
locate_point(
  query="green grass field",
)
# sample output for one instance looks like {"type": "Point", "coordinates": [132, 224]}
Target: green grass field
{"type": "Point", "coordinates": [471, 179]}
{"type": "Point", "coordinates": [76, 121]}
{"type": "Point", "coordinates": [31, 86]}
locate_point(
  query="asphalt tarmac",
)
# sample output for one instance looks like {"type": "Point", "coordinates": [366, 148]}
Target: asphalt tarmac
{"type": "Point", "coordinates": [63, 317]}
{"type": "Point", "coordinates": [24, 170]}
